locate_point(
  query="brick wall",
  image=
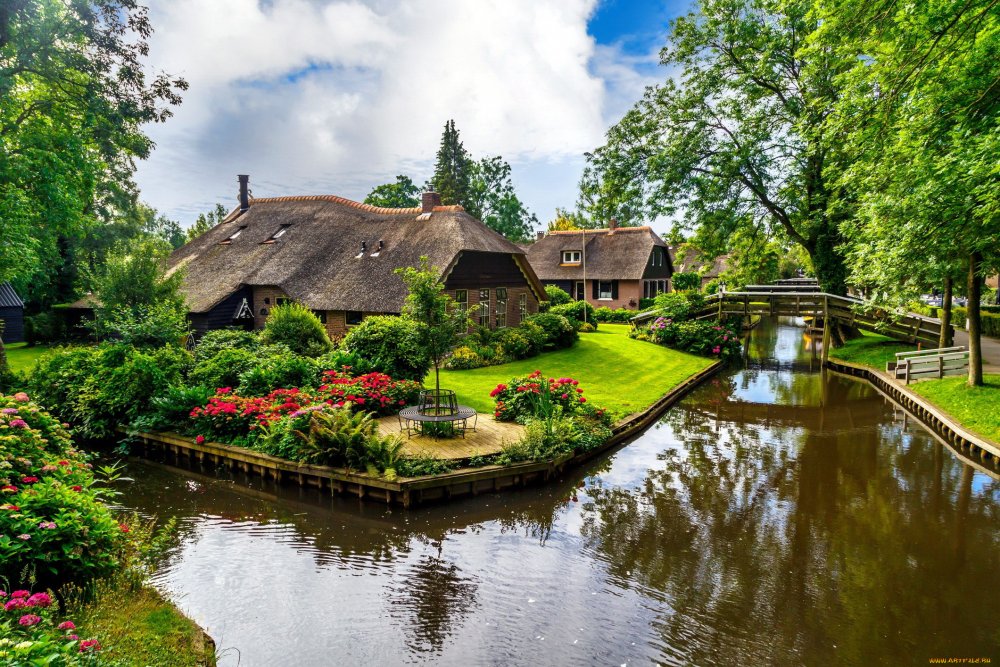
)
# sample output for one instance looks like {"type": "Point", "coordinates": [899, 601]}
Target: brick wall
{"type": "Point", "coordinates": [628, 290]}
{"type": "Point", "coordinates": [336, 323]}
{"type": "Point", "coordinates": [265, 297]}
{"type": "Point", "coordinates": [513, 301]}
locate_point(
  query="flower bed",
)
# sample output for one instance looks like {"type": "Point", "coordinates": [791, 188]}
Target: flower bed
{"type": "Point", "coordinates": [515, 400]}
{"type": "Point", "coordinates": [704, 338]}
{"type": "Point", "coordinates": [30, 635]}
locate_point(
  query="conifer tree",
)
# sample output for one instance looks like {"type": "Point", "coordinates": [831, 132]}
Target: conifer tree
{"type": "Point", "coordinates": [453, 171]}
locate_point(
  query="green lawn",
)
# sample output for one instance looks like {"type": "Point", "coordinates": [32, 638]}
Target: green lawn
{"type": "Point", "coordinates": [976, 408]}
{"type": "Point", "coordinates": [616, 372]}
{"type": "Point", "coordinates": [870, 349]}
{"type": "Point", "coordinates": [22, 358]}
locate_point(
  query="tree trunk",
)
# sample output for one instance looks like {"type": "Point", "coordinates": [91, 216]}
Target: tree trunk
{"type": "Point", "coordinates": [975, 339]}
{"type": "Point", "coordinates": [946, 339]}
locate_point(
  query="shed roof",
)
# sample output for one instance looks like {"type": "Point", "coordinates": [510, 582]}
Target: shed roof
{"type": "Point", "coordinates": [687, 258]}
{"type": "Point", "coordinates": [318, 260]}
{"type": "Point", "coordinates": [8, 297]}
{"type": "Point", "coordinates": [619, 254]}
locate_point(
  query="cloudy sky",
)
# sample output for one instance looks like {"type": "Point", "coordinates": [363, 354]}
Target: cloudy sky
{"type": "Point", "coordinates": [337, 96]}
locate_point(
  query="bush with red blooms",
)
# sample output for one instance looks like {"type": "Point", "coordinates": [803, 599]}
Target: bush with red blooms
{"type": "Point", "coordinates": [517, 399]}
{"type": "Point", "coordinates": [29, 635]}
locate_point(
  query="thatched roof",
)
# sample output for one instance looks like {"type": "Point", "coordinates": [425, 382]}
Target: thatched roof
{"type": "Point", "coordinates": [619, 254]}
{"type": "Point", "coordinates": [687, 258]}
{"type": "Point", "coordinates": [316, 260]}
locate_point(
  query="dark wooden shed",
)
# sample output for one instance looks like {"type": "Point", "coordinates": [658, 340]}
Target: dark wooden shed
{"type": "Point", "coordinates": [12, 314]}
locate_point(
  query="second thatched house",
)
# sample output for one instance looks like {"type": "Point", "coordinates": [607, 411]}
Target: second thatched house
{"type": "Point", "coordinates": [339, 257]}
{"type": "Point", "coordinates": [613, 267]}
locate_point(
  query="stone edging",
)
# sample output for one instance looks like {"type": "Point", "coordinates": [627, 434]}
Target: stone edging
{"type": "Point", "coordinates": [932, 417]}
{"type": "Point", "coordinates": [414, 490]}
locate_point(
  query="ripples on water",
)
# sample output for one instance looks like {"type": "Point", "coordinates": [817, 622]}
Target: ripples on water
{"type": "Point", "coordinates": [775, 516]}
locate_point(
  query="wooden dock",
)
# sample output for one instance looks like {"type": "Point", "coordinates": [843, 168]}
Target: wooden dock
{"type": "Point", "coordinates": [490, 437]}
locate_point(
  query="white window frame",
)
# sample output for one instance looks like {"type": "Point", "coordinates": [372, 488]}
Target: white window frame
{"type": "Point", "coordinates": [601, 292]}
{"type": "Point", "coordinates": [571, 257]}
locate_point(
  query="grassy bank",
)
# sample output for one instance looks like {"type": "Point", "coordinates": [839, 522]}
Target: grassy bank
{"type": "Point", "coordinates": [976, 408]}
{"type": "Point", "coordinates": [141, 628]}
{"type": "Point", "coordinates": [617, 373]}
{"type": "Point", "coordinates": [22, 358]}
{"type": "Point", "coordinates": [870, 349]}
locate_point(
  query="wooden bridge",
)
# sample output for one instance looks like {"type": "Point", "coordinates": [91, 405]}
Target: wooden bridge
{"type": "Point", "coordinates": [800, 300]}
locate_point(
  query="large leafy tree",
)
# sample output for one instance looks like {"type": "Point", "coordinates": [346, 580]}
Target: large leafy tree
{"type": "Point", "coordinates": [492, 195]}
{"type": "Point", "coordinates": [737, 139]}
{"type": "Point", "coordinates": [920, 118]}
{"type": "Point", "coordinates": [401, 194]}
{"type": "Point", "coordinates": [74, 95]}
{"type": "Point", "coordinates": [453, 171]}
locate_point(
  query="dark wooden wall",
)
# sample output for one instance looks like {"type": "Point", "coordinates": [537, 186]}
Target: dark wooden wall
{"type": "Point", "coordinates": [222, 315]}
{"type": "Point", "coordinates": [13, 324]}
{"type": "Point", "coordinates": [485, 269]}
{"type": "Point", "coordinates": [657, 271]}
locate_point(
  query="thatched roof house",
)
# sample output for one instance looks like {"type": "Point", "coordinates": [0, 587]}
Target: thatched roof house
{"type": "Point", "coordinates": [687, 258]}
{"type": "Point", "coordinates": [614, 267]}
{"type": "Point", "coordinates": [339, 257]}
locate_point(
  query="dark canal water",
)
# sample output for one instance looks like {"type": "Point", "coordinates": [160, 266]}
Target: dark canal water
{"type": "Point", "coordinates": [776, 516]}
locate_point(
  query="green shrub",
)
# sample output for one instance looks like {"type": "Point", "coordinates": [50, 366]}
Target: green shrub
{"type": "Point", "coordinates": [97, 389]}
{"type": "Point", "coordinates": [559, 331]}
{"type": "Point", "coordinates": [577, 311]}
{"type": "Point", "coordinates": [646, 304]}
{"type": "Point", "coordinates": [990, 322]}
{"type": "Point", "coordinates": [712, 286]}
{"type": "Point", "coordinates": [218, 340]}
{"type": "Point", "coordinates": [282, 371]}
{"type": "Point", "coordinates": [704, 338]}
{"type": "Point", "coordinates": [421, 465]}
{"type": "Point", "coordinates": [390, 345]}
{"type": "Point", "coordinates": [339, 359]}
{"type": "Point", "coordinates": [683, 282]}
{"type": "Point", "coordinates": [172, 408]}
{"type": "Point", "coordinates": [224, 368]}
{"type": "Point", "coordinates": [464, 358]}
{"type": "Point", "coordinates": [514, 343]}
{"type": "Point", "coordinates": [44, 327]}
{"type": "Point", "coordinates": [338, 437]}
{"type": "Point", "coordinates": [297, 327]}
{"type": "Point", "coordinates": [678, 306]}
{"type": "Point", "coordinates": [557, 297]}
{"type": "Point", "coordinates": [587, 327]}
{"type": "Point", "coordinates": [619, 316]}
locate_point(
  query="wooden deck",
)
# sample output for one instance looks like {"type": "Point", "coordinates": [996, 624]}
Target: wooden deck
{"type": "Point", "coordinates": [489, 438]}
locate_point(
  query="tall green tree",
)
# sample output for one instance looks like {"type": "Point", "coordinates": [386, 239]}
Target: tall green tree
{"type": "Point", "coordinates": [919, 116]}
{"type": "Point", "coordinates": [438, 319]}
{"type": "Point", "coordinates": [492, 195]}
{"type": "Point", "coordinates": [453, 171]}
{"type": "Point", "coordinates": [206, 221]}
{"type": "Point", "coordinates": [401, 194]}
{"type": "Point", "coordinates": [737, 138]}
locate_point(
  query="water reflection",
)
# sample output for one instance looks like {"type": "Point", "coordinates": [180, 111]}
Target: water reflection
{"type": "Point", "coordinates": [777, 515]}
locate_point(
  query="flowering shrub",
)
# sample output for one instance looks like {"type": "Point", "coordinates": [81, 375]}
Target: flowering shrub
{"type": "Point", "coordinates": [373, 392]}
{"type": "Point", "coordinates": [30, 636]}
{"type": "Point", "coordinates": [703, 338]}
{"type": "Point", "coordinates": [53, 525]}
{"type": "Point", "coordinates": [519, 398]}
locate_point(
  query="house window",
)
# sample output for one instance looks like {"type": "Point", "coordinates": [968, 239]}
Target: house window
{"type": "Point", "coordinates": [321, 314]}
{"type": "Point", "coordinates": [484, 307]}
{"type": "Point", "coordinates": [353, 317]}
{"type": "Point", "coordinates": [462, 299]}
{"type": "Point", "coordinates": [522, 306]}
{"type": "Point", "coordinates": [278, 234]}
{"type": "Point", "coordinates": [604, 290]}
{"type": "Point", "coordinates": [501, 307]}
{"type": "Point", "coordinates": [570, 256]}
{"type": "Point", "coordinates": [651, 288]}
{"type": "Point", "coordinates": [282, 300]}
{"type": "Point", "coordinates": [235, 234]}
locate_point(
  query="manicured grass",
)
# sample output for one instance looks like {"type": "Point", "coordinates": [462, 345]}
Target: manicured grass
{"type": "Point", "coordinates": [617, 373]}
{"type": "Point", "coordinates": [22, 358]}
{"type": "Point", "coordinates": [976, 408]}
{"type": "Point", "coordinates": [141, 628]}
{"type": "Point", "coordinates": [870, 349]}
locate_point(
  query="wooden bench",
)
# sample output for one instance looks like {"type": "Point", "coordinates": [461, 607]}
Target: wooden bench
{"type": "Point", "coordinates": [935, 363]}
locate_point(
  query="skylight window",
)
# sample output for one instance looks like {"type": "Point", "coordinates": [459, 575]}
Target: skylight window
{"type": "Point", "coordinates": [235, 234]}
{"type": "Point", "coordinates": [278, 234]}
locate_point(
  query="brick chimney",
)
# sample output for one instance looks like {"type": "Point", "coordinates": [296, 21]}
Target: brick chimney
{"type": "Point", "coordinates": [429, 200]}
{"type": "Point", "coordinates": [539, 236]}
{"type": "Point", "coordinates": [244, 181]}
{"type": "Point", "coordinates": [612, 224]}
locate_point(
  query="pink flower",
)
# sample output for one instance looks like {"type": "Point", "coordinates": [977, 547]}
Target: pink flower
{"type": "Point", "coordinates": [47, 525]}
{"type": "Point", "coordinates": [24, 536]}
{"type": "Point", "coordinates": [564, 396]}
{"type": "Point", "coordinates": [67, 625]}
{"type": "Point", "coordinates": [3, 594]}
{"type": "Point", "coordinates": [16, 603]}
{"type": "Point", "coordinates": [21, 594]}
{"type": "Point", "coordinates": [200, 439]}
{"type": "Point", "coordinates": [27, 479]}
{"type": "Point", "coordinates": [21, 397]}
{"type": "Point", "coordinates": [40, 600]}
{"type": "Point", "coordinates": [89, 645]}
{"type": "Point", "coordinates": [716, 349]}
{"type": "Point", "coordinates": [30, 619]}
{"type": "Point", "coordinates": [72, 638]}
{"type": "Point", "coordinates": [583, 400]}
{"type": "Point", "coordinates": [18, 423]}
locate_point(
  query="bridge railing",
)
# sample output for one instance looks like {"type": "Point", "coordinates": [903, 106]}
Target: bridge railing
{"type": "Point", "coordinates": [909, 327]}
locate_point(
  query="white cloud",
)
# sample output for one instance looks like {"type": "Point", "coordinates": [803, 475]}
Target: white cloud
{"type": "Point", "coordinates": [337, 96]}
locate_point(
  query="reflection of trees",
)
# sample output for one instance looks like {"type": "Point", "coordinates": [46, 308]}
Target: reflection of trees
{"type": "Point", "coordinates": [778, 546]}
{"type": "Point", "coordinates": [435, 596]}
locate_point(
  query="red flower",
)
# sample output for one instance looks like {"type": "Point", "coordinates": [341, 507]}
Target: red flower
{"type": "Point", "coordinates": [29, 480]}
{"type": "Point", "coordinates": [9, 488]}
{"type": "Point", "coordinates": [200, 439]}
{"type": "Point", "coordinates": [124, 528]}
{"type": "Point", "coordinates": [76, 487]}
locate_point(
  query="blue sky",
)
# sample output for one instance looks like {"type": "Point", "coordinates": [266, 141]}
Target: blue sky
{"type": "Point", "coordinates": [337, 96]}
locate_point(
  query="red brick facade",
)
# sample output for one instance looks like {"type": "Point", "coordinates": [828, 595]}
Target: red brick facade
{"type": "Point", "coordinates": [512, 311]}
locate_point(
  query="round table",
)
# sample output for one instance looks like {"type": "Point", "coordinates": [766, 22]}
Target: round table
{"type": "Point", "coordinates": [412, 418]}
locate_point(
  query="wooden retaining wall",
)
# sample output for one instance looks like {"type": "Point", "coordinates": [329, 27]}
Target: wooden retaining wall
{"type": "Point", "coordinates": [929, 415]}
{"type": "Point", "coordinates": [413, 490]}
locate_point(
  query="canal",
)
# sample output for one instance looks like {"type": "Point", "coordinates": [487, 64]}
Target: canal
{"type": "Point", "coordinates": [777, 515]}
